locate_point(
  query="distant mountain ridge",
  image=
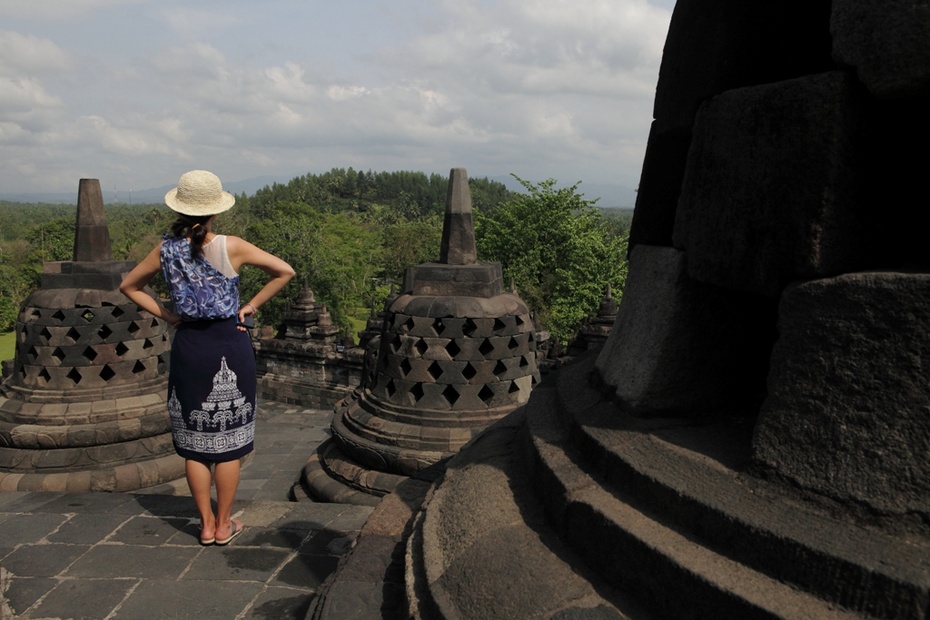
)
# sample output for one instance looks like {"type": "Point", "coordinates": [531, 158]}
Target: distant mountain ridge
{"type": "Point", "coordinates": [608, 195]}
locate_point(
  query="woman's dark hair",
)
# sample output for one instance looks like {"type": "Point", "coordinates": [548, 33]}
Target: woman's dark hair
{"type": "Point", "coordinates": [193, 226]}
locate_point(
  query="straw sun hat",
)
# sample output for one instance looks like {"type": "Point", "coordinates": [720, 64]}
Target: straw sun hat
{"type": "Point", "coordinates": [199, 193]}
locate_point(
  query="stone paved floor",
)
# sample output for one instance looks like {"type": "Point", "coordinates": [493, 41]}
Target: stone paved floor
{"type": "Point", "coordinates": [136, 555]}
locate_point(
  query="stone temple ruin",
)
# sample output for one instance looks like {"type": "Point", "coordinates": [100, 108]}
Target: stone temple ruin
{"type": "Point", "coordinates": [84, 406]}
{"type": "Point", "coordinates": [457, 352]}
{"type": "Point", "coordinates": [306, 363]}
{"type": "Point", "coordinates": [753, 439]}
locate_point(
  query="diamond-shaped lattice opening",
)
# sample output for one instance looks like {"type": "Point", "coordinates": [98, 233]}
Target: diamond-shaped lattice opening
{"type": "Point", "coordinates": [512, 344]}
{"type": "Point", "coordinates": [117, 312]}
{"type": "Point", "coordinates": [439, 326]}
{"type": "Point", "coordinates": [405, 367]}
{"type": "Point", "coordinates": [421, 347]}
{"type": "Point", "coordinates": [513, 388]}
{"type": "Point", "coordinates": [58, 354]}
{"type": "Point", "coordinates": [73, 334]}
{"type": "Point", "coordinates": [524, 362]}
{"type": "Point", "coordinates": [469, 372]}
{"type": "Point", "coordinates": [74, 375]}
{"type": "Point", "coordinates": [44, 376]}
{"type": "Point", "coordinates": [134, 327]}
{"type": "Point", "coordinates": [434, 370]}
{"type": "Point", "coordinates": [154, 322]}
{"type": "Point", "coordinates": [89, 354]}
{"type": "Point", "coordinates": [486, 395]}
{"type": "Point", "coordinates": [409, 323]}
{"type": "Point", "coordinates": [499, 325]}
{"type": "Point", "coordinates": [453, 349]}
{"type": "Point", "coordinates": [486, 348]}
{"type": "Point", "coordinates": [35, 313]}
{"type": "Point", "coordinates": [59, 315]}
{"type": "Point", "coordinates": [469, 328]}
{"type": "Point", "coordinates": [417, 392]}
{"type": "Point", "coordinates": [32, 353]}
{"type": "Point", "coordinates": [391, 388]}
{"type": "Point", "coordinates": [107, 373]}
{"type": "Point", "coordinates": [500, 368]}
{"type": "Point", "coordinates": [121, 349]}
{"type": "Point", "coordinates": [148, 344]}
{"type": "Point", "coordinates": [45, 334]}
{"type": "Point", "coordinates": [104, 332]}
{"type": "Point", "coordinates": [88, 316]}
{"type": "Point", "coordinates": [450, 394]}
{"type": "Point", "coordinates": [138, 367]}
{"type": "Point", "coordinates": [519, 320]}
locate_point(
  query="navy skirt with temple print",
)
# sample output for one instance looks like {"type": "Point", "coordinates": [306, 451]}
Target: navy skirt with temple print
{"type": "Point", "coordinates": [211, 391]}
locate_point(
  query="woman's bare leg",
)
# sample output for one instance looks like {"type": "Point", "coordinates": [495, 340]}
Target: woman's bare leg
{"type": "Point", "coordinates": [199, 480]}
{"type": "Point", "coordinates": [227, 481]}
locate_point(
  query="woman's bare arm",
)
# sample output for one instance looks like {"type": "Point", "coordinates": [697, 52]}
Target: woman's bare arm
{"type": "Point", "coordinates": [241, 252]}
{"type": "Point", "coordinates": [138, 279]}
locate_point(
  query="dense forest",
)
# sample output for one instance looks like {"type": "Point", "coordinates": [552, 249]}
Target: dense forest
{"type": "Point", "coordinates": [351, 234]}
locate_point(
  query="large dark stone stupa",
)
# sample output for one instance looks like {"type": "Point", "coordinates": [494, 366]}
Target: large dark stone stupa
{"type": "Point", "coordinates": [753, 438]}
{"type": "Point", "coordinates": [84, 407]}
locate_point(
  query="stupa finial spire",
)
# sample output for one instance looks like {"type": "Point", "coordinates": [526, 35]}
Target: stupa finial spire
{"type": "Point", "coordinates": [458, 230]}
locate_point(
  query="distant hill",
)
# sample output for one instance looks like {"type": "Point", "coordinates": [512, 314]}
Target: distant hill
{"type": "Point", "coordinates": [144, 196]}
{"type": "Point", "coordinates": [609, 196]}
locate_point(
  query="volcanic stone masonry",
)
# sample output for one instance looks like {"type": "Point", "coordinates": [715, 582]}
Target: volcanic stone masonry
{"type": "Point", "coordinates": [753, 439]}
{"type": "Point", "coordinates": [84, 406]}
{"type": "Point", "coordinates": [306, 363]}
{"type": "Point", "coordinates": [457, 353]}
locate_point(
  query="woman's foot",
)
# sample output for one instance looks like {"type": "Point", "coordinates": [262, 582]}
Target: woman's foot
{"type": "Point", "coordinates": [225, 534]}
{"type": "Point", "coordinates": [207, 534]}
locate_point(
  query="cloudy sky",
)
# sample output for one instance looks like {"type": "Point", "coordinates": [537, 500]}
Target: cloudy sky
{"type": "Point", "coordinates": [136, 92]}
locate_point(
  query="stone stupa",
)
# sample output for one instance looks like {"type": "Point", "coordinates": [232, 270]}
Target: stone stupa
{"type": "Point", "coordinates": [84, 407]}
{"type": "Point", "coordinates": [457, 353]}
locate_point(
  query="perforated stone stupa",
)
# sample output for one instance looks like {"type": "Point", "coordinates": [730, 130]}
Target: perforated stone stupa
{"type": "Point", "coordinates": [457, 353]}
{"type": "Point", "coordinates": [84, 408]}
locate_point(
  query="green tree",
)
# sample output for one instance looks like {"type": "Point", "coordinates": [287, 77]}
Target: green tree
{"type": "Point", "coordinates": [557, 249]}
{"type": "Point", "coordinates": [53, 240]}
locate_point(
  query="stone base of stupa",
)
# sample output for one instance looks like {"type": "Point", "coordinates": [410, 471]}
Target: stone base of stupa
{"type": "Point", "coordinates": [118, 444]}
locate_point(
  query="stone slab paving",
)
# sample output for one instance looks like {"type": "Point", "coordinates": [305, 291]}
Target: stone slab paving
{"type": "Point", "coordinates": [137, 555]}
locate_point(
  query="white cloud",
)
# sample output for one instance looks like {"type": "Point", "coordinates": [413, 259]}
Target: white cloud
{"type": "Point", "coordinates": [58, 10]}
{"type": "Point", "coordinates": [25, 54]}
{"type": "Point", "coordinates": [549, 88]}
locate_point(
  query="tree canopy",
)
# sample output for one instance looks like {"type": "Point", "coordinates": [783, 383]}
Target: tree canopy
{"type": "Point", "coordinates": [349, 234]}
{"type": "Point", "coordinates": [558, 250]}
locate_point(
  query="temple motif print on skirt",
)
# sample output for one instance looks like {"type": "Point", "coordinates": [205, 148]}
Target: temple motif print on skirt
{"type": "Point", "coordinates": [224, 423]}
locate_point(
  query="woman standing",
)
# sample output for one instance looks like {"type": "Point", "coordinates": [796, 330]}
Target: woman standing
{"type": "Point", "coordinates": [211, 383]}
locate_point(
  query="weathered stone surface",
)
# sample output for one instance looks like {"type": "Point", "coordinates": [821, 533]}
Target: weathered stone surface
{"type": "Point", "coordinates": [847, 411]}
{"type": "Point", "coordinates": [480, 280]}
{"type": "Point", "coordinates": [717, 45]}
{"type": "Point", "coordinates": [92, 237]}
{"type": "Point", "coordinates": [85, 397]}
{"type": "Point", "coordinates": [458, 230]}
{"type": "Point", "coordinates": [770, 193]}
{"type": "Point", "coordinates": [305, 363]}
{"type": "Point", "coordinates": [887, 43]}
{"type": "Point", "coordinates": [455, 353]}
{"type": "Point", "coordinates": [680, 347]}
{"type": "Point", "coordinates": [659, 187]}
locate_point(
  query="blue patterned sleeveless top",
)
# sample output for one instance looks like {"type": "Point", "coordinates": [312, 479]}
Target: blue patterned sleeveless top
{"type": "Point", "coordinates": [198, 290]}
